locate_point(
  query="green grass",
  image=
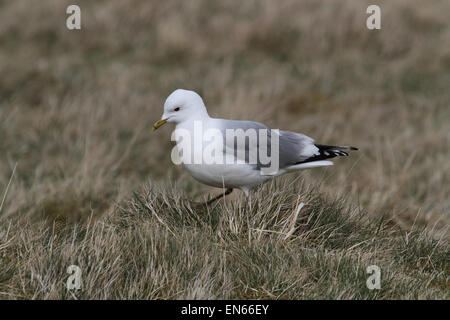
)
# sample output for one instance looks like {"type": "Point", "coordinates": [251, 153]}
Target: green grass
{"type": "Point", "coordinates": [157, 246]}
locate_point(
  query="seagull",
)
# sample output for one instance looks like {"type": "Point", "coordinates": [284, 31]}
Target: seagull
{"type": "Point", "coordinates": [295, 151]}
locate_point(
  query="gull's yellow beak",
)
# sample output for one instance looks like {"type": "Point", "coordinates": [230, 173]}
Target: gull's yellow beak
{"type": "Point", "coordinates": [158, 124]}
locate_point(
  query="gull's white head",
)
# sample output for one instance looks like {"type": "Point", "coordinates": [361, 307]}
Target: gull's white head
{"type": "Point", "coordinates": [182, 105]}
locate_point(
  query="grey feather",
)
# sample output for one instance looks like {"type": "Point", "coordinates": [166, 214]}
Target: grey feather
{"type": "Point", "coordinates": [293, 147]}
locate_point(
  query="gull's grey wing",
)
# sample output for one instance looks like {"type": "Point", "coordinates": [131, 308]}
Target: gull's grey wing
{"type": "Point", "coordinates": [293, 147]}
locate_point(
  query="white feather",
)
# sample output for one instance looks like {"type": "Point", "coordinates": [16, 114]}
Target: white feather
{"type": "Point", "coordinates": [312, 164]}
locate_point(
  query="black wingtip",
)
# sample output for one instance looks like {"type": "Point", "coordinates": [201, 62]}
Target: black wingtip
{"type": "Point", "coordinates": [328, 147]}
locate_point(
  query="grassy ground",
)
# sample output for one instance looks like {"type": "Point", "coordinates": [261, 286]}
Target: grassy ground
{"type": "Point", "coordinates": [92, 186]}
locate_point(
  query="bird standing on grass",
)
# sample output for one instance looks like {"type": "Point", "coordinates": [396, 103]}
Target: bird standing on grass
{"type": "Point", "coordinates": [294, 151]}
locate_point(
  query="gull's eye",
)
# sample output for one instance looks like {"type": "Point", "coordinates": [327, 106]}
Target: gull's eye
{"type": "Point", "coordinates": [176, 109]}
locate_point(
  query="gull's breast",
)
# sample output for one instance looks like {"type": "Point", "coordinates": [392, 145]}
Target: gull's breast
{"type": "Point", "coordinates": [226, 175]}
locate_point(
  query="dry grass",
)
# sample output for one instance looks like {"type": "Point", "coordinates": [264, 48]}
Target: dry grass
{"type": "Point", "coordinates": [76, 108]}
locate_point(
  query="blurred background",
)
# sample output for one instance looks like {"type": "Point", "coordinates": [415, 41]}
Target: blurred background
{"type": "Point", "coordinates": [76, 107]}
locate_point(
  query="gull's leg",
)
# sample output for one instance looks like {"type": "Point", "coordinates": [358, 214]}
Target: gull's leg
{"type": "Point", "coordinates": [227, 192]}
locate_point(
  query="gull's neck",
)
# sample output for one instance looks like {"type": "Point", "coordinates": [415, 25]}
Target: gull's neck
{"type": "Point", "coordinates": [200, 115]}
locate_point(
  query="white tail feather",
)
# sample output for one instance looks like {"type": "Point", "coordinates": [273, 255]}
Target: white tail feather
{"type": "Point", "coordinates": [312, 164]}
